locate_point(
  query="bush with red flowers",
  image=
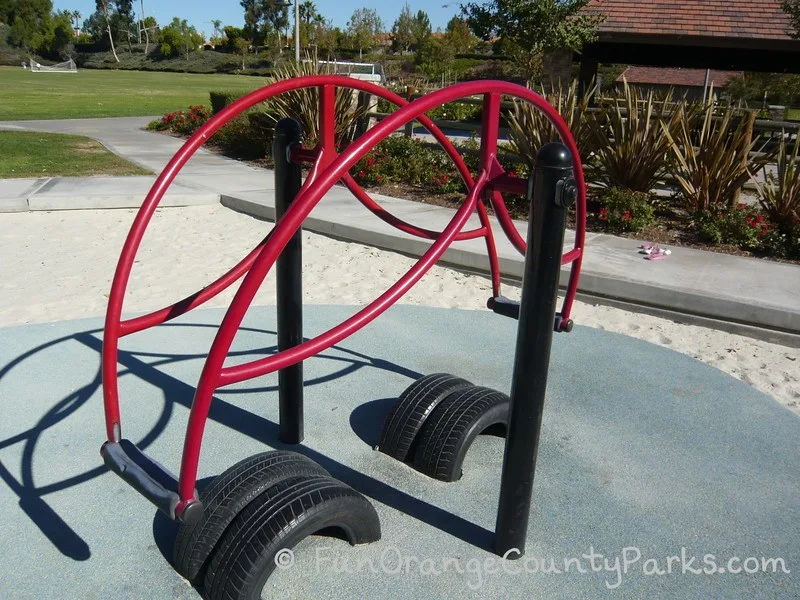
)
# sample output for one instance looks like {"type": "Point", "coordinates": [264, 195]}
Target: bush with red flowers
{"type": "Point", "coordinates": [182, 122]}
{"type": "Point", "coordinates": [742, 226]}
{"type": "Point", "coordinates": [622, 210]}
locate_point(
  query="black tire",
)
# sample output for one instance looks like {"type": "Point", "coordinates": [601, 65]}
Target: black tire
{"type": "Point", "coordinates": [278, 519]}
{"type": "Point", "coordinates": [408, 415]}
{"type": "Point", "coordinates": [453, 426]}
{"type": "Point", "coordinates": [227, 495]}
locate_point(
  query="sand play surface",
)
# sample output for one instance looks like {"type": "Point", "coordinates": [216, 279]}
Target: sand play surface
{"type": "Point", "coordinates": [56, 266]}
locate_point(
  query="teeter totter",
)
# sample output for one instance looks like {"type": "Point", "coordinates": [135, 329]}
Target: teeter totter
{"type": "Point", "coordinates": [231, 532]}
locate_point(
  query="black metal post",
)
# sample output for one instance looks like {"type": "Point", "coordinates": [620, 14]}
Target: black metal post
{"type": "Point", "coordinates": [289, 274]}
{"type": "Point", "coordinates": [587, 75]}
{"type": "Point", "coordinates": [552, 190]}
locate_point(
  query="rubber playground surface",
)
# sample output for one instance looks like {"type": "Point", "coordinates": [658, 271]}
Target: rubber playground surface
{"type": "Point", "coordinates": [646, 455]}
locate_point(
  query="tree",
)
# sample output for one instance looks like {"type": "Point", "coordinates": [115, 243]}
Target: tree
{"type": "Point", "coordinates": [434, 57]}
{"type": "Point", "coordinates": [793, 8]}
{"type": "Point", "coordinates": [528, 29]}
{"type": "Point", "coordinates": [76, 17]}
{"type": "Point", "coordinates": [458, 37]}
{"type": "Point", "coordinates": [58, 39]}
{"type": "Point", "coordinates": [217, 25]}
{"type": "Point", "coordinates": [242, 48]}
{"type": "Point", "coordinates": [329, 38]}
{"type": "Point", "coordinates": [179, 37]}
{"type": "Point", "coordinates": [364, 26]}
{"type": "Point", "coordinates": [123, 20]}
{"type": "Point", "coordinates": [421, 29]}
{"type": "Point", "coordinates": [264, 18]}
{"type": "Point", "coordinates": [104, 9]}
{"type": "Point", "coordinates": [231, 34]}
{"type": "Point", "coordinates": [147, 26]}
{"type": "Point", "coordinates": [403, 30]}
{"type": "Point", "coordinates": [30, 21]}
{"type": "Point", "coordinates": [311, 23]}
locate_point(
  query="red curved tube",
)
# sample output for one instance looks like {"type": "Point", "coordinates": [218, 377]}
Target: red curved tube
{"type": "Point", "coordinates": [261, 259]}
{"type": "Point", "coordinates": [270, 364]}
{"type": "Point", "coordinates": [194, 300]}
{"type": "Point", "coordinates": [214, 373]}
{"type": "Point", "coordinates": [114, 329]}
{"type": "Point", "coordinates": [376, 209]}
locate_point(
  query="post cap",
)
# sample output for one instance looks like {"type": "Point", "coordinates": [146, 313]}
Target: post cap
{"type": "Point", "coordinates": [289, 128]}
{"type": "Point", "coordinates": [554, 156]}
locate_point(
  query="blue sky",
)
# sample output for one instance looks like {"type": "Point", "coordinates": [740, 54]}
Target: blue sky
{"type": "Point", "coordinates": [200, 12]}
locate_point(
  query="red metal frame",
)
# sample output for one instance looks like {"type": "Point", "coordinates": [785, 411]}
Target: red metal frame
{"type": "Point", "coordinates": [328, 168]}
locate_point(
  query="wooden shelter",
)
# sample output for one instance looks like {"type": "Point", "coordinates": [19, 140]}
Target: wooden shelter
{"type": "Point", "coordinates": [728, 35]}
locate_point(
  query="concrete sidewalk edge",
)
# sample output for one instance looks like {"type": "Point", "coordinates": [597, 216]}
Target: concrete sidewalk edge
{"type": "Point", "coordinates": [699, 304]}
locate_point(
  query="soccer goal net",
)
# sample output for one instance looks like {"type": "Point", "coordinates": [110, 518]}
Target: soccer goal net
{"type": "Point", "coordinates": [64, 67]}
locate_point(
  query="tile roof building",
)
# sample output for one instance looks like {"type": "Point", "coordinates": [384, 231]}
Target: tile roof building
{"type": "Point", "coordinates": [728, 35]}
{"type": "Point", "coordinates": [753, 19]}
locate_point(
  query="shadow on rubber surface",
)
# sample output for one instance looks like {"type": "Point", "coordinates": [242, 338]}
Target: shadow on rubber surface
{"type": "Point", "coordinates": [72, 545]}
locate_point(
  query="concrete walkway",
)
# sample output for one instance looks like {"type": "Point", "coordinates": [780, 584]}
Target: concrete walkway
{"type": "Point", "coordinates": [737, 290]}
{"type": "Point", "coordinates": [77, 193]}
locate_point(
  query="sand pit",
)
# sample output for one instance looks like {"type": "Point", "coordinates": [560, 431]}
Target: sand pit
{"type": "Point", "coordinates": [57, 266]}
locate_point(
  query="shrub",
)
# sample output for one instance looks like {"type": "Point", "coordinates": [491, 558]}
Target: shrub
{"type": "Point", "coordinates": [783, 243]}
{"type": "Point", "coordinates": [304, 104]}
{"type": "Point", "coordinates": [625, 210]}
{"type": "Point", "coordinates": [398, 159]}
{"type": "Point", "coordinates": [711, 158]}
{"type": "Point", "coordinates": [369, 170]}
{"type": "Point", "coordinates": [223, 99]}
{"type": "Point", "coordinates": [384, 106]}
{"type": "Point", "coordinates": [182, 122]}
{"type": "Point", "coordinates": [530, 129]}
{"type": "Point", "coordinates": [456, 111]}
{"type": "Point", "coordinates": [632, 139]}
{"type": "Point", "coordinates": [780, 195]}
{"type": "Point", "coordinates": [157, 125]}
{"type": "Point", "coordinates": [237, 138]}
{"type": "Point", "coordinates": [262, 120]}
{"type": "Point", "coordinates": [743, 226]}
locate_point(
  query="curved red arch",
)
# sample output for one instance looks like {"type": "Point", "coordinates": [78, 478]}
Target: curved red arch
{"type": "Point", "coordinates": [214, 373]}
{"type": "Point", "coordinates": [257, 264]}
{"type": "Point", "coordinates": [116, 328]}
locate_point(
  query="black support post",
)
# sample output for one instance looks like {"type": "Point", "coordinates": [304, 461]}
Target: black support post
{"type": "Point", "coordinates": [552, 189]}
{"type": "Point", "coordinates": [587, 75]}
{"type": "Point", "coordinates": [289, 274]}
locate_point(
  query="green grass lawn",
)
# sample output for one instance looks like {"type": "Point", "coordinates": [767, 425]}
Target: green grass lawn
{"type": "Point", "coordinates": [101, 93]}
{"type": "Point", "coordinates": [32, 154]}
{"type": "Point", "coordinates": [793, 114]}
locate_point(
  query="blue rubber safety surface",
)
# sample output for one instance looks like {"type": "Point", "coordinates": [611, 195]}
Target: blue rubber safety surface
{"type": "Point", "coordinates": [650, 464]}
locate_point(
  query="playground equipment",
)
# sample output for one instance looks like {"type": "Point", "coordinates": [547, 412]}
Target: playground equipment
{"type": "Point", "coordinates": [231, 533]}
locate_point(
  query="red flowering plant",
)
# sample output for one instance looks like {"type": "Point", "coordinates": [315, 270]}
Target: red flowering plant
{"type": "Point", "coordinates": [183, 122]}
{"type": "Point", "coordinates": [742, 225]}
{"type": "Point", "coordinates": [371, 170]}
{"type": "Point", "coordinates": [622, 210]}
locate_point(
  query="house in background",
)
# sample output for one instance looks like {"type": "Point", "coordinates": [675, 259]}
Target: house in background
{"type": "Point", "coordinates": [693, 84]}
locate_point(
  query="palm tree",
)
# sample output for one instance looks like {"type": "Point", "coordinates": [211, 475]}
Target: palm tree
{"type": "Point", "coordinates": [308, 15]}
{"type": "Point", "coordinates": [308, 11]}
{"type": "Point", "coordinates": [217, 25]}
{"type": "Point", "coordinates": [76, 16]}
